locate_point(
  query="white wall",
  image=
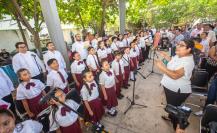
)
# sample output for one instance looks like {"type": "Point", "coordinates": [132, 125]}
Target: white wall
{"type": "Point", "coordinates": [8, 38]}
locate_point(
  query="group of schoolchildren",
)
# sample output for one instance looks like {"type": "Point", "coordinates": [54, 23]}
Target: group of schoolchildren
{"type": "Point", "coordinates": [98, 79]}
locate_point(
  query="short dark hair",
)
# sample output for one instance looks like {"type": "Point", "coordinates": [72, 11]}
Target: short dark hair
{"type": "Point", "coordinates": [113, 38]}
{"type": "Point", "coordinates": [6, 112]}
{"type": "Point", "coordinates": [48, 43]}
{"type": "Point", "coordinates": [20, 71]}
{"type": "Point", "coordinates": [117, 53]}
{"type": "Point", "coordinates": [89, 48]}
{"type": "Point", "coordinates": [50, 61]}
{"type": "Point", "coordinates": [103, 61]}
{"type": "Point", "coordinates": [189, 44]}
{"type": "Point", "coordinates": [19, 43]}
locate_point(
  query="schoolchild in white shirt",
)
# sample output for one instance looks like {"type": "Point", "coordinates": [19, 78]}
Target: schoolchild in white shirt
{"type": "Point", "coordinates": [57, 78]}
{"type": "Point", "coordinates": [30, 91]}
{"type": "Point", "coordinates": [118, 69]}
{"type": "Point", "coordinates": [115, 44]}
{"type": "Point", "coordinates": [92, 61]}
{"type": "Point", "coordinates": [90, 95]}
{"type": "Point", "coordinates": [109, 51]}
{"type": "Point", "coordinates": [108, 88]}
{"type": "Point", "coordinates": [77, 67]}
{"type": "Point", "coordinates": [102, 53]}
{"type": "Point", "coordinates": [62, 119]}
{"type": "Point", "coordinates": [126, 64]}
{"type": "Point", "coordinates": [133, 60]}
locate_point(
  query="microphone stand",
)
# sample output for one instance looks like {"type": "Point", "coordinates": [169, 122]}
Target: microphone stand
{"type": "Point", "coordinates": [132, 101]}
{"type": "Point", "coordinates": [152, 68]}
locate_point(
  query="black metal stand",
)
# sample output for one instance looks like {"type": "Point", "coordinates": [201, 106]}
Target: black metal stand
{"type": "Point", "coordinates": [152, 68]}
{"type": "Point", "coordinates": [132, 101]}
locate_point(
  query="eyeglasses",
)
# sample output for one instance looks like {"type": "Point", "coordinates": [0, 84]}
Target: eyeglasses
{"type": "Point", "coordinates": [181, 45]}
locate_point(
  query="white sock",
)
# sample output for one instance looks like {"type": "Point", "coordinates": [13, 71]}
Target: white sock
{"type": "Point", "coordinates": [132, 75]}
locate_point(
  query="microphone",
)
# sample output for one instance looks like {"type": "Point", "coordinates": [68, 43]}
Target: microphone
{"type": "Point", "coordinates": [48, 96]}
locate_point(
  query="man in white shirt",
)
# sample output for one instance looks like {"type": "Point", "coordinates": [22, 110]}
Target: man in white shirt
{"type": "Point", "coordinates": [29, 60]}
{"type": "Point", "coordinates": [53, 53]}
{"type": "Point", "coordinates": [197, 31]}
{"type": "Point", "coordinates": [211, 34]}
{"type": "Point", "coordinates": [80, 47]}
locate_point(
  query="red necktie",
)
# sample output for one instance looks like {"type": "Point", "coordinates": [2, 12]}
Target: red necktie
{"type": "Point", "coordinates": [28, 85]}
{"type": "Point", "coordinates": [61, 76]}
{"type": "Point", "coordinates": [64, 110]}
{"type": "Point", "coordinates": [80, 62]}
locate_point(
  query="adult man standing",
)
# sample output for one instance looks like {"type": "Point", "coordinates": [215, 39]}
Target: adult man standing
{"type": "Point", "coordinates": [29, 60]}
{"type": "Point", "coordinates": [197, 31]}
{"type": "Point", "coordinates": [211, 34]}
{"type": "Point", "coordinates": [53, 53]}
{"type": "Point", "coordinates": [179, 37]}
{"type": "Point", "coordinates": [80, 47]}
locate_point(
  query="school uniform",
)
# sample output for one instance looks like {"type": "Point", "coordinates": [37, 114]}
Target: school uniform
{"type": "Point", "coordinates": [118, 69]}
{"type": "Point", "coordinates": [133, 62]}
{"type": "Point", "coordinates": [6, 88]}
{"type": "Point", "coordinates": [102, 54]}
{"type": "Point", "coordinates": [126, 64]}
{"type": "Point", "coordinates": [93, 100]}
{"type": "Point", "coordinates": [110, 55]}
{"type": "Point", "coordinates": [115, 46]}
{"type": "Point", "coordinates": [32, 92]}
{"type": "Point", "coordinates": [30, 61]}
{"type": "Point", "coordinates": [143, 47]}
{"type": "Point", "coordinates": [65, 119]}
{"type": "Point", "coordinates": [107, 79]}
{"type": "Point", "coordinates": [92, 61]}
{"type": "Point", "coordinates": [125, 43]}
{"type": "Point", "coordinates": [80, 47]}
{"type": "Point", "coordinates": [77, 67]}
{"type": "Point", "coordinates": [56, 55]}
{"type": "Point", "coordinates": [148, 42]}
{"type": "Point", "coordinates": [58, 79]}
{"type": "Point", "coordinates": [28, 126]}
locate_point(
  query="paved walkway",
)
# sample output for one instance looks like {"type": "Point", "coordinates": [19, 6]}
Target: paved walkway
{"type": "Point", "coordinates": [145, 120]}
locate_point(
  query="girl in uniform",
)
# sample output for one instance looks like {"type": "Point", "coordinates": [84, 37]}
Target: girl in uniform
{"type": "Point", "coordinates": [102, 53]}
{"type": "Point", "coordinates": [57, 78]}
{"type": "Point", "coordinates": [7, 124]}
{"type": "Point", "coordinates": [90, 94]}
{"type": "Point", "coordinates": [126, 64]}
{"type": "Point", "coordinates": [133, 60]}
{"type": "Point", "coordinates": [62, 119]}
{"type": "Point", "coordinates": [77, 67]}
{"type": "Point", "coordinates": [109, 51]}
{"type": "Point", "coordinates": [30, 91]}
{"type": "Point", "coordinates": [115, 44]}
{"type": "Point", "coordinates": [118, 69]}
{"type": "Point", "coordinates": [107, 83]}
{"type": "Point", "coordinates": [92, 61]}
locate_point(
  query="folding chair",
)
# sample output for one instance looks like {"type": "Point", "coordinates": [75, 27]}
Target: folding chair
{"type": "Point", "coordinates": [20, 110]}
{"type": "Point", "coordinates": [210, 115]}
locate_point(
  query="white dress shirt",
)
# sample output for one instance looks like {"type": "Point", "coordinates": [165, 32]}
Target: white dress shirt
{"type": "Point", "coordinates": [66, 120]}
{"type": "Point", "coordinates": [81, 48]}
{"type": "Point", "coordinates": [126, 60]}
{"type": "Point", "coordinates": [102, 53]}
{"type": "Point", "coordinates": [23, 93]}
{"type": "Point", "coordinates": [91, 62]}
{"type": "Point", "coordinates": [205, 49]}
{"type": "Point", "coordinates": [133, 53]}
{"type": "Point", "coordinates": [30, 61]}
{"type": "Point", "coordinates": [77, 68]}
{"type": "Point", "coordinates": [94, 92]}
{"type": "Point", "coordinates": [6, 86]}
{"type": "Point", "coordinates": [142, 42]}
{"type": "Point", "coordinates": [107, 81]}
{"type": "Point", "coordinates": [184, 83]}
{"type": "Point", "coordinates": [56, 55]}
{"type": "Point", "coordinates": [94, 44]}
{"type": "Point", "coordinates": [115, 46]}
{"type": "Point", "coordinates": [28, 126]}
{"type": "Point", "coordinates": [211, 36]}
{"type": "Point", "coordinates": [54, 80]}
{"type": "Point", "coordinates": [115, 67]}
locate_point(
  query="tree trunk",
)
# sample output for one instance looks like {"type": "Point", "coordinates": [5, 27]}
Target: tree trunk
{"type": "Point", "coordinates": [37, 44]}
{"type": "Point", "coordinates": [21, 29]}
{"type": "Point", "coordinates": [102, 30]}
